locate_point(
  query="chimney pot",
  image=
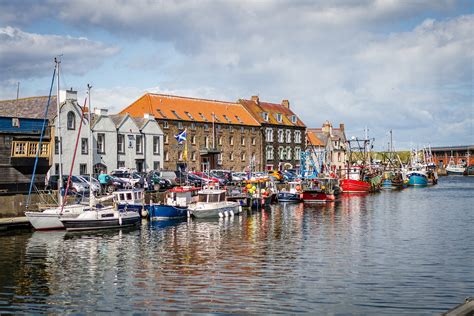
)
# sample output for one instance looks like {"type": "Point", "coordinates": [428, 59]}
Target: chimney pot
{"type": "Point", "coordinates": [285, 103]}
{"type": "Point", "coordinates": [341, 126]}
{"type": "Point", "coordinates": [255, 99]}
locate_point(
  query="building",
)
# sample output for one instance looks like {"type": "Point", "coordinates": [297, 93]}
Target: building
{"type": "Point", "coordinates": [219, 135]}
{"type": "Point", "coordinates": [21, 122]}
{"type": "Point", "coordinates": [283, 133]}
{"type": "Point", "coordinates": [118, 141]}
{"type": "Point", "coordinates": [459, 155]}
{"type": "Point", "coordinates": [331, 143]}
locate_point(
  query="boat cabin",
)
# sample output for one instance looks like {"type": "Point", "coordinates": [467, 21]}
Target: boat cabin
{"type": "Point", "coordinates": [210, 196]}
{"type": "Point", "coordinates": [133, 196]}
{"type": "Point", "coordinates": [355, 173]}
{"type": "Point", "coordinates": [180, 196]}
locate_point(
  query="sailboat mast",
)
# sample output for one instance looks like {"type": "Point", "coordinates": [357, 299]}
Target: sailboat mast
{"type": "Point", "coordinates": [58, 133]}
{"type": "Point", "coordinates": [91, 162]}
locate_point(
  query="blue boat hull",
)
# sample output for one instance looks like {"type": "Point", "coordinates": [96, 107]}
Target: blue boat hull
{"type": "Point", "coordinates": [165, 212]}
{"type": "Point", "coordinates": [417, 180]}
{"type": "Point", "coordinates": [387, 184]}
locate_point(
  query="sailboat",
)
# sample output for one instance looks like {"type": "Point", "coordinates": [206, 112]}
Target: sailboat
{"type": "Point", "coordinates": [97, 216]}
{"type": "Point", "coordinates": [49, 218]}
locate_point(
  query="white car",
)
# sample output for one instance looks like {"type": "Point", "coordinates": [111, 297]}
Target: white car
{"type": "Point", "coordinates": [94, 185]}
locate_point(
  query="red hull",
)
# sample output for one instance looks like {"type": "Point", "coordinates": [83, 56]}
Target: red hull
{"type": "Point", "coordinates": [354, 186]}
{"type": "Point", "coordinates": [316, 196]}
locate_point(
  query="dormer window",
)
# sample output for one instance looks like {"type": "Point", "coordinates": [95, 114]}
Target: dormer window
{"type": "Point", "coordinates": [279, 118]}
{"type": "Point", "coordinates": [293, 119]}
{"type": "Point", "coordinates": [265, 116]}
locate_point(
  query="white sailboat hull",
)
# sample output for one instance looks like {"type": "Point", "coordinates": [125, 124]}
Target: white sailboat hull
{"type": "Point", "coordinates": [105, 218]}
{"type": "Point", "coordinates": [50, 218]}
{"type": "Point", "coordinates": [214, 209]}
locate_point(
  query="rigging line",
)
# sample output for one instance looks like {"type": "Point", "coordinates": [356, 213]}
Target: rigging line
{"type": "Point", "coordinates": [74, 156]}
{"type": "Point", "coordinates": [40, 141]}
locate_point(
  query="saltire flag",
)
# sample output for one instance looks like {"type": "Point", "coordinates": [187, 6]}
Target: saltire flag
{"type": "Point", "coordinates": [181, 137]}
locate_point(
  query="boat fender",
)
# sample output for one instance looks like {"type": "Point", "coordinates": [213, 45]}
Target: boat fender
{"type": "Point", "coordinates": [220, 215]}
{"type": "Point", "coordinates": [144, 213]}
{"type": "Point", "coordinates": [226, 214]}
{"type": "Point", "coordinates": [231, 213]}
{"type": "Point", "coordinates": [240, 208]}
{"type": "Point", "coordinates": [120, 219]}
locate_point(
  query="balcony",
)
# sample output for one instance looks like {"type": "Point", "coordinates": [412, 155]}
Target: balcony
{"type": "Point", "coordinates": [207, 151]}
{"type": "Point", "coordinates": [27, 149]}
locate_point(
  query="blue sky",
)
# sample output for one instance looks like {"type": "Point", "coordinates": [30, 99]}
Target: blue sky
{"type": "Point", "coordinates": [384, 64]}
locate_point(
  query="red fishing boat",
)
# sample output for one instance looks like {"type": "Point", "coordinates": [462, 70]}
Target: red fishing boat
{"type": "Point", "coordinates": [353, 182]}
{"type": "Point", "coordinates": [321, 190]}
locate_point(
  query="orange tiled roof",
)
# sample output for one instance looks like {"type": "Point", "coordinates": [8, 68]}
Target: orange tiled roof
{"type": "Point", "coordinates": [171, 107]}
{"type": "Point", "coordinates": [256, 107]}
{"type": "Point", "coordinates": [313, 139]}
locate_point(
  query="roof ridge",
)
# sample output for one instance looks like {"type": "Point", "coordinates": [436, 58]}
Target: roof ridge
{"type": "Point", "coordinates": [27, 98]}
{"type": "Point", "coordinates": [193, 98]}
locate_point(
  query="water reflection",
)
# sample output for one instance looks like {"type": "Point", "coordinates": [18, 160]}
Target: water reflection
{"type": "Point", "coordinates": [362, 254]}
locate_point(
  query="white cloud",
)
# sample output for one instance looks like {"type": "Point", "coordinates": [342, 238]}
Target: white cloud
{"type": "Point", "coordinates": [29, 55]}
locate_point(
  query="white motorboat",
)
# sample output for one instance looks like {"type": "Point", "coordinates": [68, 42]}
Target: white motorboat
{"type": "Point", "coordinates": [101, 218]}
{"type": "Point", "coordinates": [212, 203]}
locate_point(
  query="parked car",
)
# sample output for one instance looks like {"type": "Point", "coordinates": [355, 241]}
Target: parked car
{"type": "Point", "coordinates": [132, 178]}
{"type": "Point", "coordinates": [76, 185]}
{"type": "Point", "coordinates": [154, 182]}
{"type": "Point", "coordinates": [173, 176]}
{"type": "Point", "coordinates": [225, 175]}
{"type": "Point", "coordinates": [94, 185]}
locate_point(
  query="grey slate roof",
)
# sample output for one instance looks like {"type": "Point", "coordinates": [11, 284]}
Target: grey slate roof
{"type": "Point", "coordinates": [32, 108]}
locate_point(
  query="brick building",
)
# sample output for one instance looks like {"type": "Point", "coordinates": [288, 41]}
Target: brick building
{"type": "Point", "coordinates": [283, 133]}
{"type": "Point", "coordinates": [459, 155]}
{"type": "Point", "coordinates": [220, 135]}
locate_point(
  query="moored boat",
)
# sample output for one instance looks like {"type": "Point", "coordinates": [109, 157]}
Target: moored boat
{"type": "Point", "coordinates": [321, 190]}
{"type": "Point", "coordinates": [292, 195]}
{"type": "Point", "coordinates": [212, 203]}
{"type": "Point", "coordinates": [131, 200]}
{"type": "Point", "coordinates": [354, 183]}
{"type": "Point", "coordinates": [176, 204]}
{"type": "Point", "coordinates": [49, 219]}
{"type": "Point", "coordinates": [417, 177]}
{"type": "Point", "coordinates": [101, 218]}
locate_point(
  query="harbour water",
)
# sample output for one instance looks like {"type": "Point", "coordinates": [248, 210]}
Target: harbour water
{"type": "Point", "coordinates": [395, 252]}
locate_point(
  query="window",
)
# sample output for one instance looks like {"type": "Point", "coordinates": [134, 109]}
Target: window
{"type": "Point", "coordinates": [15, 122]}
{"type": "Point", "coordinates": [265, 116]}
{"type": "Point", "coordinates": [269, 135]}
{"type": "Point", "coordinates": [281, 151]}
{"type": "Point", "coordinates": [231, 128]}
{"type": "Point", "coordinates": [101, 143]}
{"type": "Point", "coordinates": [219, 159]}
{"type": "Point", "coordinates": [175, 114]}
{"type": "Point", "coordinates": [269, 152]}
{"type": "Point", "coordinates": [206, 141]}
{"type": "Point", "coordinates": [202, 116]}
{"type": "Point", "coordinates": [238, 119]}
{"type": "Point", "coordinates": [293, 119]}
{"type": "Point", "coordinates": [227, 118]}
{"type": "Point", "coordinates": [231, 140]}
{"type": "Point", "coordinates": [165, 124]}
{"type": "Point", "coordinates": [193, 156]}
{"type": "Point", "coordinates": [278, 117]}
{"type": "Point", "coordinates": [139, 144]}
{"type": "Point", "coordinates": [167, 156]}
{"type": "Point", "coordinates": [121, 143]}
{"type": "Point", "coordinates": [19, 149]}
{"type": "Point", "coordinates": [193, 125]}
{"type": "Point", "coordinates": [156, 145]}
{"type": "Point", "coordinates": [120, 164]}
{"type": "Point", "coordinates": [156, 165]}
{"type": "Point", "coordinates": [84, 146]}
{"type": "Point", "coordinates": [242, 156]}
{"type": "Point", "coordinates": [298, 137]}
{"type": "Point", "coordinates": [82, 168]}
{"type": "Point", "coordinates": [193, 139]}
{"type": "Point", "coordinates": [253, 141]}
{"type": "Point", "coordinates": [161, 112]}
{"type": "Point", "coordinates": [56, 168]}
{"type": "Point", "coordinates": [180, 125]}
{"type": "Point", "coordinates": [165, 140]}
{"type": "Point", "coordinates": [297, 153]}
{"type": "Point", "coordinates": [180, 155]}
{"type": "Point", "coordinates": [231, 156]}
{"type": "Point", "coordinates": [242, 140]}
{"type": "Point", "coordinates": [206, 127]}
{"type": "Point", "coordinates": [288, 153]}
{"type": "Point", "coordinates": [189, 115]}
{"type": "Point", "coordinates": [57, 144]}
{"type": "Point", "coordinates": [254, 157]}
{"type": "Point", "coordinates": [130, 141]}
{"type": "Point", "coordinates": [281, 136]}
{"type": "Point", "coordinates": [71, 120]}
{"type": "Point", "coordinates": [218, 127]}
{"type": "Point", "coordinates": [220, 140]}
{"type": "Point", "coordinates": [242, 129]}
{"type": "Point", "coordinates": [288, 136]}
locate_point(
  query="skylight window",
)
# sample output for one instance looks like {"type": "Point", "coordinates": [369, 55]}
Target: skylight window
{"type": "Point", "coordinates": [238, 119]}
{"type": "Point", "coordinates": [161, 113]}
{"type": "Point", "coordinates": [189, 115]}
{"type": "Point", "coordinates": [175, 114]}
{"type": "Point", "coordinates": [202, 116]}
{"type": "Point", "coordinates": [227, 118]}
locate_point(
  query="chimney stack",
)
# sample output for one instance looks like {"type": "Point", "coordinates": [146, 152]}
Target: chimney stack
{"type": "Point", "coordinates": [286, 103]}
{"type": "Point", "coordinates": [255, 99]}
{"type": "Point", "coordinates": [101, 112]}
{"type": "Point", "coordinates": [67, 95]}
{"type": "Point", "coordinates": [148, 116]}
{"type": "Point", "coordinates": [341, 127]}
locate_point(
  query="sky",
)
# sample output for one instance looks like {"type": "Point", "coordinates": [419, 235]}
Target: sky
{"type": "Point", "coordinates": [405, 65]}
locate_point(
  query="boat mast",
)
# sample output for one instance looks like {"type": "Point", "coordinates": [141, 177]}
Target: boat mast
{"type": "Point", "coordinates": [91, 159]}
{"type": "Point", "coordinates": [58, 133]}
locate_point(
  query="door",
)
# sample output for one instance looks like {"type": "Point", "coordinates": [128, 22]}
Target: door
{"type": "Point", "coordinates": [139, 165]}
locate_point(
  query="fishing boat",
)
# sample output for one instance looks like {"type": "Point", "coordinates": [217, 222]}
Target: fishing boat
{"type": "Point", "coordinates": [455, 169]}
{"type": "Point", "coordinates": [469, 171]}
{"type": "Point", "coordinates": [353, 182]}
{"type": "Point", "coordinates": [292, 195]}
{"type": "Point", "coordinates": [212, 203]}
{"type": "Point", "coordinates": [131, 200]}
{"type": "Point", "coordinates": [321, 190]}
{"type": "Point", "coordinates": [417, 176]}
{"type": "Point", "coordinates": [176, 204]}
{"type": "Point", "coordinates": [399, 179]}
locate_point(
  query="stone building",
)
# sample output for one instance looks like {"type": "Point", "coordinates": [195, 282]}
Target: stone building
{"type": "Point", "coordinates": [117, 140]}
{"type": "Point", "coordinates": [331, 143]}
{"type": "Point", "coordinates": [219, 135]}
{"type": "Point", "coordinates": [283, 133]}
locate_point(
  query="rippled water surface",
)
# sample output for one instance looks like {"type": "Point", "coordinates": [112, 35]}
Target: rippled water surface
{"type": "Point", "coordinates": [395, 252]}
